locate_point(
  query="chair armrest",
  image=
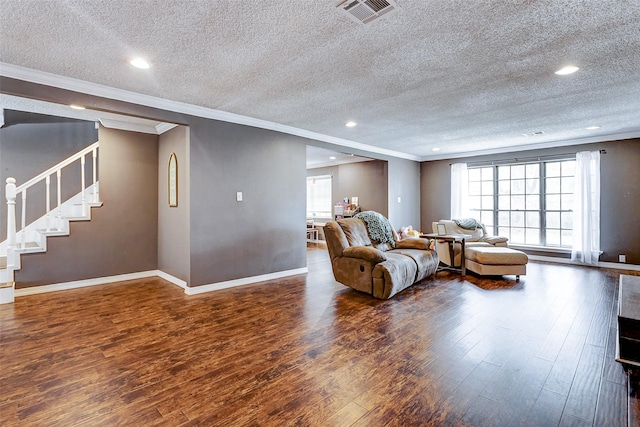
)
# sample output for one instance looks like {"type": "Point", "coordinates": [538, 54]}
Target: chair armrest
{"type": "Point", "coordinates": [413, 243]}
{"type": "Point", "coordinates": [366, 253]}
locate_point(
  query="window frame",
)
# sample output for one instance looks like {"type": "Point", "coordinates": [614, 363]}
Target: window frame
{"type": "Point", "coordinates": [564, 232]}
{"type": "Point", "coordinates": [312, 214]}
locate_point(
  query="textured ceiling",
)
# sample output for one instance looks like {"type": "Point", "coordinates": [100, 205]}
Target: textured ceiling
{"type": "Point", "coordinates": [464, 76]}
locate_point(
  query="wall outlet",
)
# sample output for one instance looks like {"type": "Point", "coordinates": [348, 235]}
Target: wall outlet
{"type": "Point", "coordinates": [239, 196]}
{"type": "Point", "coordinates": [622, 258]}
{"type": "Point", "coordinates": [399, 199]}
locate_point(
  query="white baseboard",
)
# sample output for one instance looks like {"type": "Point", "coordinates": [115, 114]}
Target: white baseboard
{"type": "Point", "coordinates": [244, 281]}
{"type": "Point", "coordinates": [7, 294]}
{"type": "Point", "coordinates": [615, 265]}
{"type": "Point", "coordinates": [152, 273]}
{"type": "Point", "coordinates": [84, 283]}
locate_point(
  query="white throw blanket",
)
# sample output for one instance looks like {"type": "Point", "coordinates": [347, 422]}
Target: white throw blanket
{"type": "Point", "coordinates": [378, 226]}
{"type": "Point", "coordinates": [470, 224]}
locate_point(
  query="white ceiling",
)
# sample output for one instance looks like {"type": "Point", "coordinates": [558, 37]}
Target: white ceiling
{"type": "Point", "coordinates": [465, 76]}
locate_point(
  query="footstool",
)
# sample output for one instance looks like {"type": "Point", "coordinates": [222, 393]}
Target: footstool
{"type": "Point", "coordinates": [496, 260]}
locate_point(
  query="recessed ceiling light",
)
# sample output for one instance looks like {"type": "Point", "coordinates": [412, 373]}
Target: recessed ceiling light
{"type": "Point", "coordinates": [350, 124]}
{"type": "Point", "coordinates": [332, 158]}
{"type": "Point", "coordinates": [592, 127]}
{"type": "Point", "coordinates": [435, 149]}
{"type": "Point", "coordinates": [569, 69]}
{"type": "Point", "coordinates": [76, 107]}
{"type": "Point", "coordinates": [140, 63]}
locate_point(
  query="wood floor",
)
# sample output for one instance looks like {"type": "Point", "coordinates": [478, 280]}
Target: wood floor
{"type": "Point", "coordinates": [307, 351]}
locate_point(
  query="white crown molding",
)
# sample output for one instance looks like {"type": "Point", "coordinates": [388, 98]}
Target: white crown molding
{"type": "Point", "coordinates": [109, 120]}
{"type": "Point", "coordinates": [542, 145]}
{"type": "Point", "coordinates": [95, 89]}
{"type": "Point", "coordinates": [133, 127]}
{"type": "Point", "coordinates": [337, 163]}
{"type": "Point", "coordinates": [243, 281]}
{"type": "Point", "coordinates": [164, 127]}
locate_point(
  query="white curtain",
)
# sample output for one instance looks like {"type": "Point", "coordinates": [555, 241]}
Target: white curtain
{"type": "Point", "coordinates": [586, 209]}
{"type": "Point", "coordinates": [459, 191]}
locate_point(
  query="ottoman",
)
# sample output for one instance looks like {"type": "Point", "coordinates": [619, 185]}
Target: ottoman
{"type": "Point", "coordinates": [496, 260]}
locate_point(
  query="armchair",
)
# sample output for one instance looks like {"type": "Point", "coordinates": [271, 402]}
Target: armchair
{"type": "Point", "coordinates": [484, 254]}
{"type": "Point", "coordinates": [478, 238]}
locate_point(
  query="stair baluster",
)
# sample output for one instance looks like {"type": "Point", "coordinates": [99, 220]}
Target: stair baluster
{"type": "Point", "coordinates": [59, 193]}
{"type": "Point", "coordinates": [48, 202]}
{"type": "Point", "coordinates": [95, 176]}
{"type": "Point", "coordinates": [82, 187]}
{"type": "Point", "coordinates": [24, 217]}
{"type": "Point", "coordinates": [10, 192]}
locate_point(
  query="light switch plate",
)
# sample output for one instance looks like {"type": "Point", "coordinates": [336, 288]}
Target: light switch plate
{"type": "Point", "coordinates": [239, 196]}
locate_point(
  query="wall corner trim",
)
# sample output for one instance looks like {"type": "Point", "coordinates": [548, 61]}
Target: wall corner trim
{"type": "Point", "coordinates": [172, 279]}
{"type": "Point", "coordinates": [243, 281]}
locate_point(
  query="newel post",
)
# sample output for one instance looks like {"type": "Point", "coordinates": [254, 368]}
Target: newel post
{"type": "Point", "coordinates": [10, 192]}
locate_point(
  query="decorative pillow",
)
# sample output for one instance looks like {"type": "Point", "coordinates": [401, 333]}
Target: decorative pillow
{"type": "Point", "coordinates": [494, 239]}
{"type": "Point", "coordinates": [415, 243]}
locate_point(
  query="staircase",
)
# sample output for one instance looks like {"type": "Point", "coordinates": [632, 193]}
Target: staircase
{"type": "Point", "coordinates": [32, 238]}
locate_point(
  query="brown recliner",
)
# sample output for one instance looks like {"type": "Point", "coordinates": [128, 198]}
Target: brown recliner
{"type": "Point", "coordinates": [373, 267]}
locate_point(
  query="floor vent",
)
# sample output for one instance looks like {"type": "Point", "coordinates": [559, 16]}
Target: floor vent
{"type": "Point", "coordinates": [365, 11]}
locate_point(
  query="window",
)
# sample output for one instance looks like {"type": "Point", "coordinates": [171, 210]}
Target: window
{"type": "Point", "coordinates": [319, 196]}
{"type": "Point", "coordinates": [530, 203]}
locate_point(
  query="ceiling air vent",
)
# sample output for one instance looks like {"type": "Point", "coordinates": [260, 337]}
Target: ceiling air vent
{"type": "Point", "coordinates": [365, 11]}
{"type": "Point", "coordinates": [536, 133]}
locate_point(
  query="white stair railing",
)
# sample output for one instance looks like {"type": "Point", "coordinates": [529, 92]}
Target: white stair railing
{"type": "Point", "coordinates": [12, 192]}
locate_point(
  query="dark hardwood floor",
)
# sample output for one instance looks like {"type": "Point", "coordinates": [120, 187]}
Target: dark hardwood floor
{"type": "Point", "coordinates": [308, 351]}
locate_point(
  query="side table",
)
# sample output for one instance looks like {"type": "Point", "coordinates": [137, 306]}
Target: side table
{"type": "Point", "coordinates": [452, 239]}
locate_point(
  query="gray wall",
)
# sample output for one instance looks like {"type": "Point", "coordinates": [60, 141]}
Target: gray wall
{"type": "Point", "coordinates": [262, 234]}
{"type": "Point", "coordinates": [122, 235]}
{"type": "Point", "coordinates": [404, 182]}
{"type": "Point", "coordinates": [620, 192]}
{"type": "Point", "coordinates": [173, 222]}
{"type": "Point", "coordinates": [32, 143]}
{"type": "Point", "coordinates": [228, 239]}
{"type": "Point", "coordinates": [366, 180]}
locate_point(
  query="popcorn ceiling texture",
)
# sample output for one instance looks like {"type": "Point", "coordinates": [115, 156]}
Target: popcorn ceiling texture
{"type": "Point", "coordinates": [463, 75]}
